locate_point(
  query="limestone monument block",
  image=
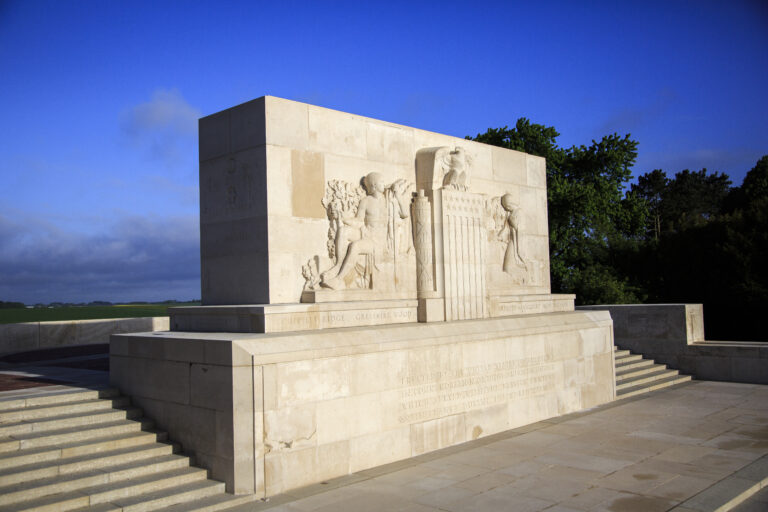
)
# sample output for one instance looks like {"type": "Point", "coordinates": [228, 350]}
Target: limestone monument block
{"type": "Point", "coordinates": [371, 292]}
{"type": "Point", "coordinates": [302, 204]}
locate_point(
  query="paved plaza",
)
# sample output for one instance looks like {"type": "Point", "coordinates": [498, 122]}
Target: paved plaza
{"type": "Point", "coordinates": [693, 447]}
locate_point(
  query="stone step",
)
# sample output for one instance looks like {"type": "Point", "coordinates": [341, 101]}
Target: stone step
{"type": "Point", "coordinates": [71, 435]}
{"type": "Point", "coordinates": [34, 489]}
{"type": "Point", "coordinates": [660, 373]}
{"type": "Point", "coordinates": [659, 384]}
{"type": "Point", "coordinates": [76, 450]}
{"type": "Point", "coordinates": [141, 491]}
{"type": "Point", "coordinates": [68, 420]}
{"type": "Point", "coordinates": [625, 358]}
{"type": "Point", "coordinates": [90, 447]}
{"type": "Point", "coordinates": [65, 466]}
{"type": "Point", "coordinates": [34, 412]}
{"type": "Point", "coordinates": [56, 397]}
{"type": "Point", "coordinates": [217, 502]}
{"type": "Point", "coordinates": [618, 353]}
{"type": "Point", "coordinates": [56, 503]}
{"type": "Point", "coordinates": [635, 363]}
{"type": "Point", "coordinates": [162, 498]}
{"type": "Point", "coordinates": [104, 507]}
{"type": "Point", "coordinates": [146, 484]}
{"type": "Point", "coordinates": [625, 374]}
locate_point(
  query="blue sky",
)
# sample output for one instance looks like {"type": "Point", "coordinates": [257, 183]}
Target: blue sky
{"type": "Point", "coordinates": [99, 102]}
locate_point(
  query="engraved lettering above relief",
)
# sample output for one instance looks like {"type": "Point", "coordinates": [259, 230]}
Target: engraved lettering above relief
{"type": "Point", "coordinates": [368, 226]}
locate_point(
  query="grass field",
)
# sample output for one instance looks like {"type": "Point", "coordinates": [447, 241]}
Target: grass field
{"type": "Point", "coordinates": [11, 316]}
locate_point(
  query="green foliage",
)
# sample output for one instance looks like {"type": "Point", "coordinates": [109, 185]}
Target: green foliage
{"type": "Point", "coordinates": [711, 247]}
{"type": "Point", "coordinates": [689, 238]}
{"type": "Point", "coordinates": [11, 305]}
{"type": "Point", "coordinates": [534, 139]}
{"type": "Point", "coordinates": [649, 187]}
{"type": "Point", "coordinates": [755, 185]}
{"type": "Point", "coordinates": [587, 207]}
{"type": "Point", "coordinates": [689, 199]}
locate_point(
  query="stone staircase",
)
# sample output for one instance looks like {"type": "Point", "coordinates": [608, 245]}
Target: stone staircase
{"type": "Point", "coordinates": [636, 375]}
{"type": "Point", "coordinates": [81, 449]}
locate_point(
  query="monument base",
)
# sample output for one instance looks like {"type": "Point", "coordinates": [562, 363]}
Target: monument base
{"type": "Point", "coordinates": [267, 413]}
{"type": "Point", "coordinates": [266, 318]}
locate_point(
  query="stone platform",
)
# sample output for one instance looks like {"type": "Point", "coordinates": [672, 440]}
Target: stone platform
{"type": "Point", "coordinates": [371, 292]}
{"type": "Point", "coordinates": [628, 456]}
{"type": "Point", "coordinates": [267, 413]}
{"type": "Point", "coordinates": [319, 312]}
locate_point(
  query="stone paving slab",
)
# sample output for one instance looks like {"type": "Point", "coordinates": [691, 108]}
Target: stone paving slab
{"type": "Point", "coordinates": [757, 503]}
{"type": "Point", "coordinates": [698, 447]}
{"type": "Point", "coordinates": [695, 447]}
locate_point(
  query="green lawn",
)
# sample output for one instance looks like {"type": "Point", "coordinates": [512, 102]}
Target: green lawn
{"type": "Point", "coordinates": [11, 316]}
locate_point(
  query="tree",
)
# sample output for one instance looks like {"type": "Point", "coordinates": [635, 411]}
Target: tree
{"type": "Point", "coordinates": [11, 305]}
{"type": "Point", "coordinates": [587, 208]}
{"type": "Point", "coordinates": [755, 185]}
{"type": "Point", "coordinates": [650, 188]}
{"type": "Point", "coordinates": [711, 247]}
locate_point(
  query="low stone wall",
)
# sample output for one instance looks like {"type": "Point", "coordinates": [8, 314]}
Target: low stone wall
{"type": "Point", "coordinates": [267, 413]}
{"type": "Point", "coordinates": [39, 335]}
{"type": "Point", "coordinates": [673, 334]}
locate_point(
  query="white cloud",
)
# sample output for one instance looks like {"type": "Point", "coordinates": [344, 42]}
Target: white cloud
{"type": "Point", "coordinates": [166, 111]}
{"type": "Point", "coordinates": [137, 258]}
{"type": "Point", "coordinates": [165, 126]}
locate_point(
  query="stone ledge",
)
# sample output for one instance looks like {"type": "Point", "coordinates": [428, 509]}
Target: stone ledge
{"type": "Point", "coordinates": [306, 316]}
{"type": "Point", "coordinates": [272, 318]}
{"type": "Point", "coordinates": [238, 348]}
{"type": "Point", "coordinates": [275, 412]}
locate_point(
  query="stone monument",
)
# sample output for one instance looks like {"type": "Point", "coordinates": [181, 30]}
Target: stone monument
{"type": "Point", "coordinates": [370, 292]}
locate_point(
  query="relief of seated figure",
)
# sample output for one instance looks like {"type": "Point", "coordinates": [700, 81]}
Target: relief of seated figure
{"type": "Point", "coordinates": [367, 232]}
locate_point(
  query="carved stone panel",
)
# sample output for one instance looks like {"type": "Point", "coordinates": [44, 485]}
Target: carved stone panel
{"type": "Point", "coordinates": [464, 253]}
{"type": "Point", "coordinates": [422, 240]}
{"type": "Point", "coordinates": [370, 243]}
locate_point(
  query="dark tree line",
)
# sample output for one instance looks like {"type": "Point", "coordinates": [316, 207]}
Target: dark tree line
{"type": "Point", "coordinates": [691, 237]}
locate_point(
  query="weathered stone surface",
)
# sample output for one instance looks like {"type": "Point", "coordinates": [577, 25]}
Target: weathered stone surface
{"type": "Point", "coordinates": [411, 388]}
{"type": "Point", "coordinates": [371, 292]}
{"type": "Point", "coordinates": [268, 169]}
{"type": "Point", "coordinates": [673, 334]}
{"type": "Point", "coordinates": [22, 337]}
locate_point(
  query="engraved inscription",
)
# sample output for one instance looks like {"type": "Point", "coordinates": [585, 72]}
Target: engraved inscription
{"type": "Point", "coordinates": [521, 308]}
{"type": "Point", "coordinates": [433, 395]}
{"type": "Point", "coordinates": [321, 319]}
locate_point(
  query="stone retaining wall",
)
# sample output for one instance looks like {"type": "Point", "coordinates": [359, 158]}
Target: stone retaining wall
{"type": "Point", "coordinates": [673, 334]}
{"type": "Point", "coordinates": [22, 337]}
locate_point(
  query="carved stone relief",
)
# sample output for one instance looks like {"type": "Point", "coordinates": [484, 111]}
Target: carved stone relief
{"type": "Point", "coordinates": [455, 166]}
{"type": "Point", "coordinates": [422, 240]}
{"type": "Point", "coordinates": [504, 218]}
{"type": "Point", "coordinates": [464, 254]}
{"type": "Point", "coordinates": [510, 232]}
{"type": "Point", "coordinates": [443, 167]}
{"type": "Point", "coordinates": [369, 227]}
{"type": "Point", "coordinates": [447, 244]}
